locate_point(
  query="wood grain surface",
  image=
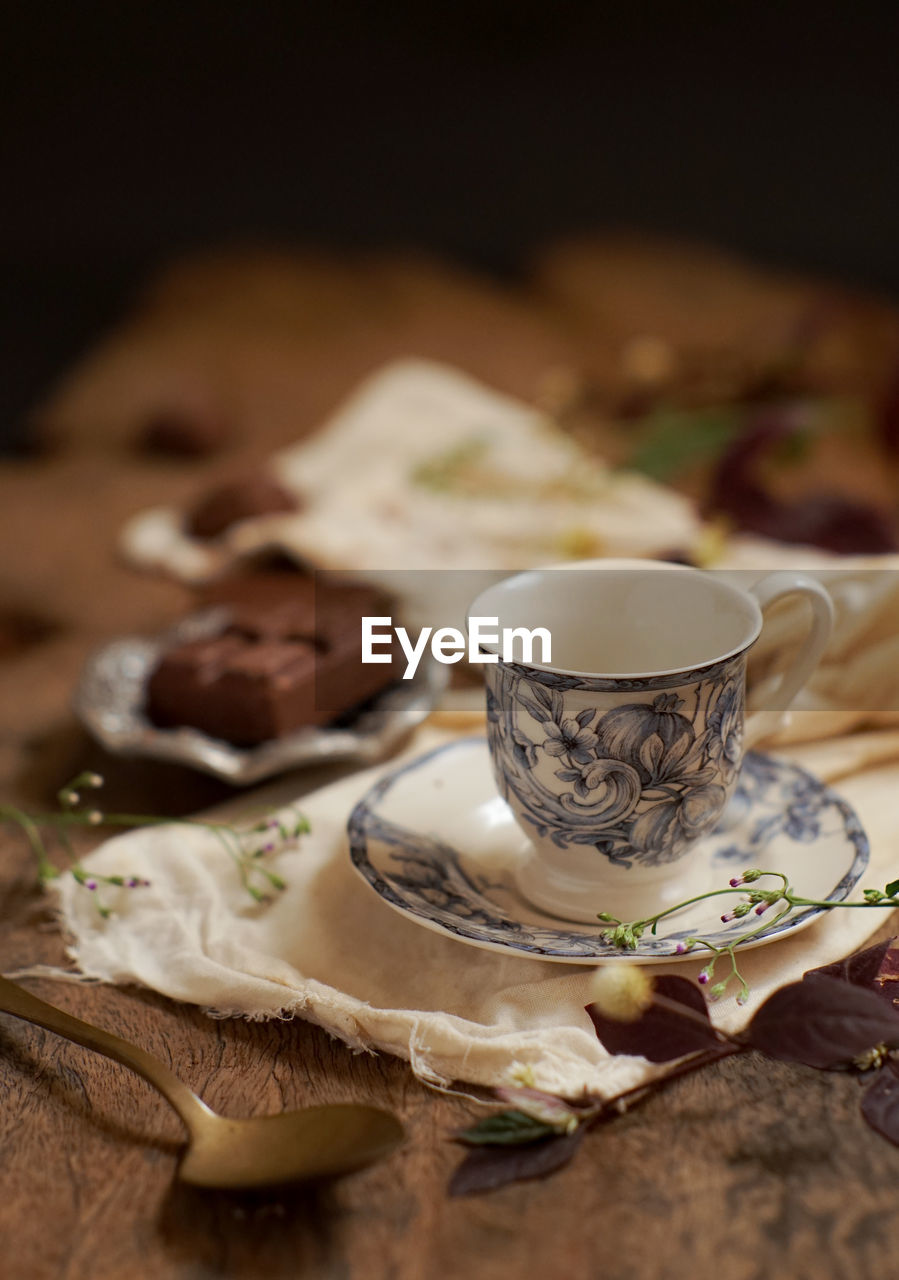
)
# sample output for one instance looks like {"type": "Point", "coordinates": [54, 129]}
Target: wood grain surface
{"type": "Point", "coordinates": [747, 1171]}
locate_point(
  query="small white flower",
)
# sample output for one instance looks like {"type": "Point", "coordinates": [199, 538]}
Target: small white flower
{"type": "Point", "coordinates": [522, 1073]}
{"type": "Point", "coordinates": [872, 1058]}
{"type": "Point", "coordinates": [621, 991]}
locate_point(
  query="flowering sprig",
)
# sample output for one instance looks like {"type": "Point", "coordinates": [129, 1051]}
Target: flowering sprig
{"type": "Point", "coordinates": [93, 881]}
{"type": "Point", "coordinates": [782, 899]}
{"type": "Point", "coordinates": [247, 847]}
{"type": "Point", "coordinates": [843, 1016]}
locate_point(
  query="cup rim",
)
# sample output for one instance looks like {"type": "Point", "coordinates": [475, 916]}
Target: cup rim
{"type": "Point", "coordinates": [616, 566]}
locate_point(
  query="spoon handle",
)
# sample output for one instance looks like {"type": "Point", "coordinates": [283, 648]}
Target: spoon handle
{"type": "Point", "coordinates": [22, 1004]}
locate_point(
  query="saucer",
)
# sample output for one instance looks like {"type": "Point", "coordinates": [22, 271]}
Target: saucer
{"type": "Point", "coordinates": [111, 694]}
{"type": "Point", "coordinates": [437, 842]}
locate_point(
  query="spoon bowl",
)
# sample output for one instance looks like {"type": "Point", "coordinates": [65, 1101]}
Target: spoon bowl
{"type": "Point", "coordinates": [295, 1146]}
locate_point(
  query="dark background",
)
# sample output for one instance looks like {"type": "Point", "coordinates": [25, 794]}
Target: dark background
{"type": "Point", "coordinates": [136, 130]}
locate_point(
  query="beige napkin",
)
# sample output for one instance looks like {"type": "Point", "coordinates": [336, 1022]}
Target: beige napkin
{"type": "Point", "coordinates": [329, 950]}
{"type": "Point", "coordinates": [425, 468]}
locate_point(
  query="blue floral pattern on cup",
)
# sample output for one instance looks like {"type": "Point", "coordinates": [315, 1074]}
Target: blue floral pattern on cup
{"type": "Point", "coordinates": [639, 779]}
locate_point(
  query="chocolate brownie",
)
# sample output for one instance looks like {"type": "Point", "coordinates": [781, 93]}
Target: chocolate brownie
{"type": "Point", "coordinates": [183, 433]}
{"type": "Point", "coordinates": [288, 656]}
{"type": "Point", "coordinates": [237, 500]}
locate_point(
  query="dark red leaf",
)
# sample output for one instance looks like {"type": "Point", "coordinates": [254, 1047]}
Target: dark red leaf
{"type": "Point", "coordinates": [828, 520]}
{"type": "Point", "coordinates": [886, 416]}
{"type": "Point", "coordinates": [835, 523]}
{"type": "Point", "coordinates": [880, 1105]}
{"type": "Point", "coordinates": [487, 1168]}
{"type": "Point", "coordinates": [661, 1033]}
{"type": "Point", "coordinates": [823, 1023]}
{"type": "Point", "coordinates": [862, 967]}
{"type": "Point", "coordinates": [877, 967]}
{"type": "Point", "coordinates": [887, 981]}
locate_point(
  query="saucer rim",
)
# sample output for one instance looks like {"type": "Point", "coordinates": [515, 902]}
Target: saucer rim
{"type": "Point", "coordinates": [362, 864]}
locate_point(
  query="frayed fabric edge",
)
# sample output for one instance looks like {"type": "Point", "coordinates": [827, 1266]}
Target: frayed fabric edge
{"type": "Point", "coordinates": [414, 1056]}
{"type": "Point", "coordinates": [410, 1050]}
{"type": "Point", "coordinates": [59, 975]}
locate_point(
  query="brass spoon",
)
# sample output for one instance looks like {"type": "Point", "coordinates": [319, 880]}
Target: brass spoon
{"type": "Point", "coordinates": [295, 1146]}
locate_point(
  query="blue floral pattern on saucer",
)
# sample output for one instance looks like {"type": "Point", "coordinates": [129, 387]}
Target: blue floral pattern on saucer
{"type": "Point", "coordinates": [460, 883]}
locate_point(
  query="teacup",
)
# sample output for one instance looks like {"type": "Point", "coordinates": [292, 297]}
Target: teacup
{"type": "Point", "coordinates": [622, 752]}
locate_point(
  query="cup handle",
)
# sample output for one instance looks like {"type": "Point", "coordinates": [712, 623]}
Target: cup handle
{"type": "Point", "coordinates": [774, 586]}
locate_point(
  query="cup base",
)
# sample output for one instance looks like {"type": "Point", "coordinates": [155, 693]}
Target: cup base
{"type": "Point", "coordinates": [580, 901]}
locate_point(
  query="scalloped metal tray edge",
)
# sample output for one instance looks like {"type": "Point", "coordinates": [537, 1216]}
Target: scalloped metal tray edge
{"type": "Point", "coordinates": [109, 702]}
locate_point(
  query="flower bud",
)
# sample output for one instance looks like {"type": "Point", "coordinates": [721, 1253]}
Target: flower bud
{"type": "Point", "coordinates": [621, 991]}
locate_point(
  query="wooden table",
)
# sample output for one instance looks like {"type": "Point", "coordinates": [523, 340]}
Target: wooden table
{"type": "Point", "coordinates": [746, 1170]}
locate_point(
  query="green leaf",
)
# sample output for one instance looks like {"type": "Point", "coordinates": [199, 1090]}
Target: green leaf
{"type": "Point", "coordinates": [508, 1128]}
{"type": "Point", "coordinates": [792, 449]}
{"type": "Point", "coordinates": [444, 470]}
{"type": "Point", "coordinates": [674, 441]}
{"type": "Point", "coordinates": [892, 889]}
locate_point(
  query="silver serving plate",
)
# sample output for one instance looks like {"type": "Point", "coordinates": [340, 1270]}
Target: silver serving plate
{"type": "Point", "coordinates": [110, 698]}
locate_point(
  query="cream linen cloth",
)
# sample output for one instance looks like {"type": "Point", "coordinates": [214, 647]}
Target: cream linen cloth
{"type": "Point", "coordinates": [425, 468]}
{"type": "Point", "coordinates": [327, 949]}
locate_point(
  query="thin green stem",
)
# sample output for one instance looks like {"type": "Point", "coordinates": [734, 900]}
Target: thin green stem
{"type": "Point", "coordinates": [76, 811]}
{"type": "Point", "coordinates": [31, 829]}
{"type": "Point", "coordinates": [626, 934]}
{"type": "Point", "coordinates": [88, 818]}
{"type": "Point", "coordinates": [685, 1066]}
{"type": "Point", "coordinates": [759, 928]}
{"type": "Point", "coordinates": [640, 925]}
